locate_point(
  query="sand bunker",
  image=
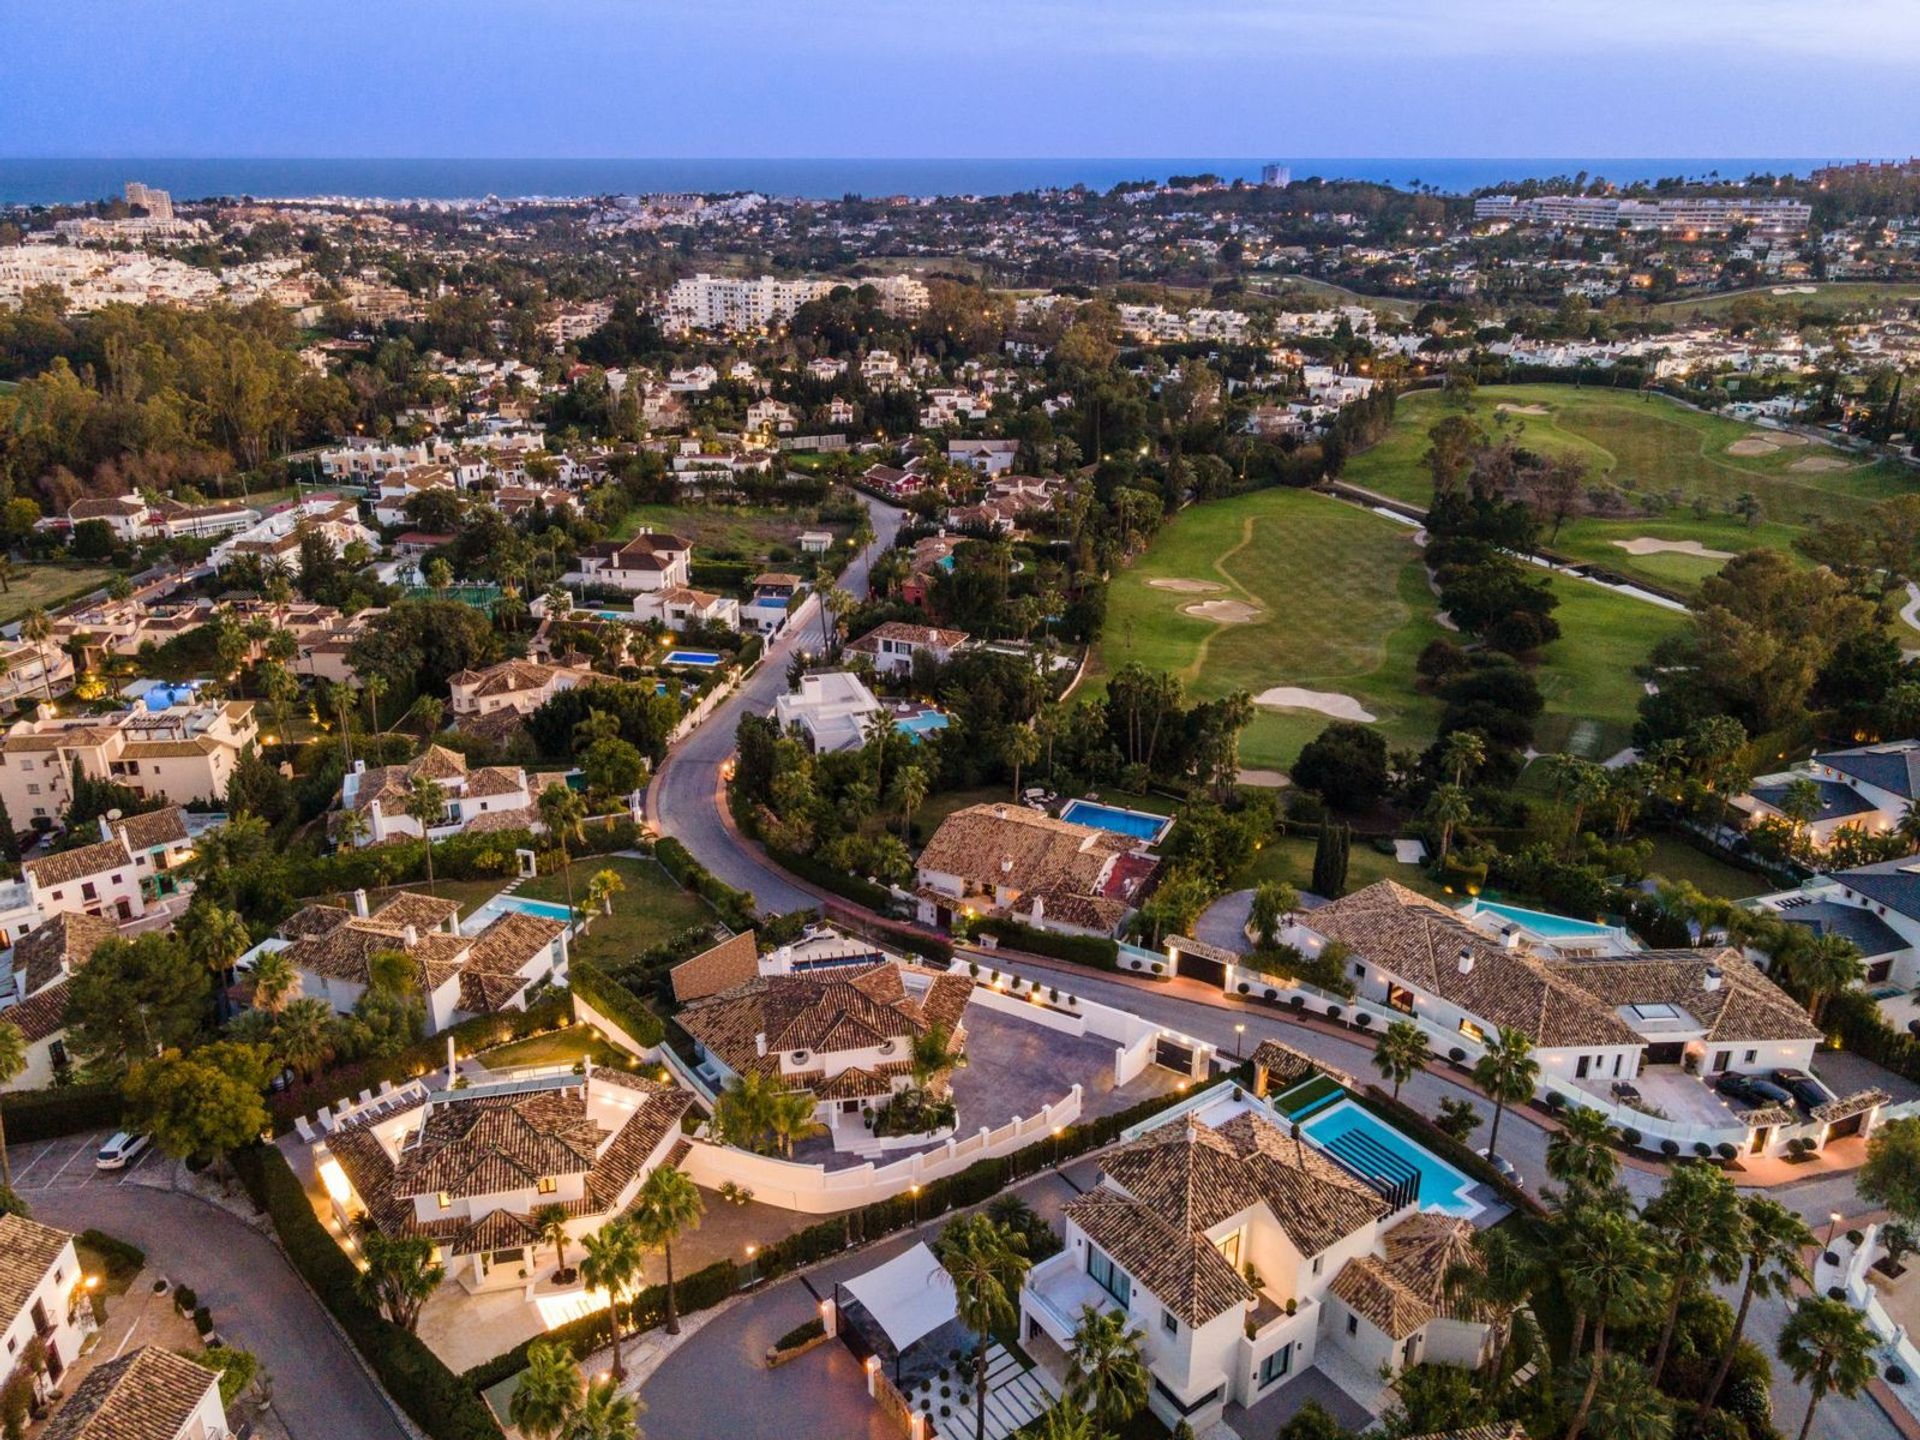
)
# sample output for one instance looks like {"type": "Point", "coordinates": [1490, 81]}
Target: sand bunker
{"type": "Point", "coordinates": [1647, 545]}
{"type": "Point", "coordinates": [1327, 702]}
{"type": "Point", "coordinates": [1264, 779]}
{"type": "Point", "coordinates": [1752, 445]}
{"type": "Point", "coordinates": [1186, 587]}
{"type": "Point", "coordinates": [1523, 409]}
{"type": "Point", "coordinates": [1818, 464]}
{"type": "Point", "coordinates": [1226, 612]}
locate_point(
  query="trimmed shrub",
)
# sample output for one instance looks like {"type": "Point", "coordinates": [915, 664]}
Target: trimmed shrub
{"type": "Point", "coordinates": [1088, 950]}
{"type": "Point", "coordinates": [1631, 1136]}
{"type": "Point", "coordinates": [1556, 1102]}
{"type": "Point", "coordinates": [736, 907]}
{"type": "Point", "coordinates": [1670, 1148]}
{"type": "Point", "coordinates": [436, 1399]}
{"type": "Point", "coordinates": [800, 1334]}
{"type": "Point", "coordinates": [1456, 1055]}
{"type": "Point", "coordinates": [185, 1300]}
{"type": "Point", "coordinates": [1334, 1012]}
{"type": "Point", "coordinates": [1702, 1149]}
{"type": "Point", "coordinates": [616, 1002]}
{"type": "Point", "coordinates": [1363, 1019]}
{"type": "Point", "coordinates": [828, 877]}
{"type": "Point", "coordinates": [63, 1110]}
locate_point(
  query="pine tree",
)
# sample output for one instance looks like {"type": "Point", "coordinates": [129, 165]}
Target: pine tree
{"type": "Point", "coordinates": [1322, 857]}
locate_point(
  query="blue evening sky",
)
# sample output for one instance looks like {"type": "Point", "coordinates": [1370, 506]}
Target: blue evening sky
{"type": "Point", "coordinates": [856, 78]}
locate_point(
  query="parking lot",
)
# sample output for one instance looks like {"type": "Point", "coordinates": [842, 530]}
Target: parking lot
{"type": "Point", "coordinates": [67, 1164]}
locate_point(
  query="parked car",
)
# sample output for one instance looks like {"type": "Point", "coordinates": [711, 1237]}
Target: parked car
{"type": "Point", "coordinates": [1752, 1089]}
{"type": "Point", "coordinates": [120, 1150]}
{"type": "Point", "coordinates": [1507, 1170]}
{"type": "Point", "coordinates": [1803, 1087]}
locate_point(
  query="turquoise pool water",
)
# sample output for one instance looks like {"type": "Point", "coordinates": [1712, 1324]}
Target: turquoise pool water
{"type": "Point", "coordinates": [1366, 1143]}
{"type": "Point", "coordinates": [1540, 922]}
{"type": "Point", "coordinates": [1135, 823]}
{"type": "Point", "coordinates": [545, 909]}
{"type": "Point", "coordinates": [706, 659]}
{"type": "Point", "coordinates": [921, 725]}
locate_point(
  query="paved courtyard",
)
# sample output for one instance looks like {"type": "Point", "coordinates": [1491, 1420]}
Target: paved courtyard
{"type": "Point", "coordinates": [1015, 1068]}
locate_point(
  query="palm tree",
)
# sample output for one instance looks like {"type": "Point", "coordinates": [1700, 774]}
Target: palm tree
{"type": "Point", "coordinates": [606, 1414]}
{"type": "Point", "coordinates": [909, 793]}
{"type": "Point", "coordinates": [1019, 746]}
{"type": "Point", "coordinates": [1821, 966]}
{"type": "Point", "coordinates": [667, 1207]}
{"type": "Point", "coordinates": [426, 806]}
{"type": "Point", "coordinates": [601, 888]}
{"type": "Point", "coordinates": [1610, 1265]}
{"type": "Point", "coordinates": [561, 811]}
{"type": "Point", "coordinates": [1401, 1053]}
{"type": "Point", "coordinates": [550, 1224]}
{"type": "Point", "coordinates": [214, 937]}
{"type": "Point", "coordinates": [1507, 1072]}
{"type": "Point", "coordinates": [401, 1274]}
{"type": "Point", "coordinates": [612, 1263]}
{"type": "Point", "coordinates": [550, 1391]}
{"type": "Point", "coordinates": [788, 1114]}
{"type": "Point", "coordinates": [1699, 1217]}
{"type": "Point", "coordinates": [1774, 1240]}
{"type": "Point", "coordinates": [1106, 1373]}
{"type": "Point", "coordinates": [275, 982]}
{"type": "Point", "coordinates": [1829, 1350]}
{"type": "Point", "coordinates": [1581, 1153]}
{"type": "Point", "coordinates": [391, 972]}
{"type": "Point", "coordinates": [1448, 807]}
{"type": "Point", "coordinates": [1626, 1406]}
{"type": "Point", "coordinates": [375, 689]}
{"type": "Point", "coordinates": [835, 604]}
{"type": "Point", "coordinates": [1495, 1287]}
{"type": "Point", "coordinates": [1065, 1421]}
{"type": "Point", "coordinates": [350, 829]}
{"type": "Point", "coordinates": [984, 1264]}
{"type": "Point", "coordinates": [36, 629]}
{"type": "Point", "coordinates": [1463, 752]}
{"type": "Point", "coordinates": [305, 1035]}
{"type": "Point", "coordinates": [740, 1112]}
{"type": "Point", "coordinates": [13, 1060]}
{"type": "Point", "coordinates": [929, 1055]}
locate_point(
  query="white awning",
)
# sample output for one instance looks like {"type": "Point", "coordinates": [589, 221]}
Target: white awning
{"type": "Point", "coordinates": [910, 1296]}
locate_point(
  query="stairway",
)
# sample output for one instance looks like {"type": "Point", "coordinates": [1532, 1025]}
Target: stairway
{"type": "Point", "coordinates": [1371, 1160]}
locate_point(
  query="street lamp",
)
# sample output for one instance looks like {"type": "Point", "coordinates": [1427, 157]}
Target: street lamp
{"type": "Point", "coordinates": [916, 1203]}
{"type": "Point", "coordinates": [1058, 1131]}
{"type": "Point", "coordinates": [1833, 1223]}
{"type": "Point", "coordinates": [1238, 1031]}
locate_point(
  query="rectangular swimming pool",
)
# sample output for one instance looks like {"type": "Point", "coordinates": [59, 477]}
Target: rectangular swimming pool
{"type": "Point", "coordinates": [504, 904]}
{"type": "Point", "coordinates": [702, 659]}
{"type": "Point", "coordinates": [920, 725]}
{"type": "Point", "coordinates": [1137, 824]}
{"type": "Point", "coordinates": [1541, 922]}
{"type": "Point", "coordinates": [1365, 1143]}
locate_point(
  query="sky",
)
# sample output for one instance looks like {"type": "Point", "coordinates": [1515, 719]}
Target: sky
{"type": "Point", "coordinates": [959, 78]}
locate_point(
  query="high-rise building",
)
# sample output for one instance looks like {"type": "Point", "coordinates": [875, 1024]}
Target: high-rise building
{"type": "Point", "coordinates": [157, 203]}
{"type": "Point", "coordinates": [1277, 176]}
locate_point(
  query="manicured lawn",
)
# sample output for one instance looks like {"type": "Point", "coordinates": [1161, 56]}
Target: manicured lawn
{"type": "Point", "coordinates": [1343, 608]}
{"type": "Point", "coordinates": [556, 1047]}
{"type": "Point", "coordinates": [1290, 858]}
{"type": "Point", "coordinates": [743, 532]}
{"type": "Point", "coordinates": [1831, 296]}
{"type": "Point", "coordinates": [1657, 450]}
{"type": "Point", "coordinates": [469, 895]}
{"type": "Point", "coordinates": [1674, 859]}
{"type": "Point", "coordinates": [45, 586]}
{"type": "Point", "coordinates": [651, 908]}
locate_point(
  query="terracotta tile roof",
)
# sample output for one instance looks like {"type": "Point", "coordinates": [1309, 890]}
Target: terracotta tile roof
{"type": "Point", "coordinates": [59, 947]}
{"type": "Point", "coordinates": [1374, 1292]}
{"type": "Point", "coordinates": [40, 1015]}
{"type": "Point", "coordinates": [1421, 941]}
{"type": "Point", "coordinates": [494, 1143]}
{"type": "Point", "coordinates": [1495, 1430]}
{"type": "Point", "coordinates": [1184, 1271]}
{"type": "Point", "coordinates": [1850, 1105]}
{"type": "Point", "coordinates": [1198, 1175]}
{"type": "Point", "coordinates": [853, 1083]}
{"type": "Point", "coordinates": [1423, 1249]}
{"type": "Point", "coordinates": [731, 963]}
{"type": "Point", "coordinates": [314, 920]}
{"type": "Point", "coordinates": [28, 1250]}
{"type": "Point", "coordinates": [423, 912]}
{"type": "Point", "coordinates": [69, 865]}
{"type": "Point", "coordinates": [1746, 1005]}
{"type": "Point", "coordinates": [1186, 944]}
{"type": "Point", "coordinates": [154, 829]}
{"type": "Point", "coordinates": [497, 957]}
{"type": "Point", "coordinates": [148, 1395]}
{"type": "Point", "coordinates": [1283, 1063]}
{"type": "Point", "coordinates": [1011, 847]}
{"type": "Point", "coordinates": [521, 817]}
{"type": "Point", "coordinates": [496, 780]}
{"type": "Point", "coordinates": [904, 633]}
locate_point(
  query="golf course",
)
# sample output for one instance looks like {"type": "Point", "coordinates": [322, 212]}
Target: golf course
{"type": "Point", "coordinates": [1683, 468]}
{"type": "Point", "coordinates": [1318, 609]}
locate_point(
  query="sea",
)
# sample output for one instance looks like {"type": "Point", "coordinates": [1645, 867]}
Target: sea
{"type": "Point", "coordinates": [55, 181]}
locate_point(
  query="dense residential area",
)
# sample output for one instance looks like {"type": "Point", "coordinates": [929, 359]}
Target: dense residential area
{"type": "Point", "coordinates": [1272, 809]}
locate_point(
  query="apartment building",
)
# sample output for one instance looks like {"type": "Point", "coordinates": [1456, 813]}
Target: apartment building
{"type": "Point", "coordinates": [184, 753]}
{"type": "Point", "coordinates": [707, 302]}
{"type": "Point", "coordinates": [281, 533]}
{"type": "Point", "coordinates": [32, 673]}
{"type": "Point", "coordinates": [1681, 217]}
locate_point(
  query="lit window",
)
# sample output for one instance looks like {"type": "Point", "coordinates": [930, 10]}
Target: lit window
{"type": "Point", "coordinates": [548, 1185]}
{"type": "Point", "coordinates": [446, 1201]}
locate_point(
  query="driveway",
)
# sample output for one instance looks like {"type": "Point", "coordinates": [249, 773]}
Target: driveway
{"type": "Point", "coordinates": [685, 797]}
{"type": "Point", "coordinates": [319, 1388]}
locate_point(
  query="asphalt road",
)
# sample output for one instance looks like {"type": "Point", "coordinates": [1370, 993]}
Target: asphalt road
{"type": "Point", "coordinates": [320, 1390]}
{"type": "Point", "coordinates": [685, 797]}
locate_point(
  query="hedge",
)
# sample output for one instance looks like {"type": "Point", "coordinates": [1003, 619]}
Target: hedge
{"type": "Point", "coordinates": [61, 1110]}
{"type": "Point", "coordinates": [616, 1002]}
{"type": "Point", "coordinates": [736, 907]}
{"type": "Point", "coordinates": [419, 1058]}
{"type": "Point", "coordinates": [436, 1399]}
{"type": "Point", "coordinates": [829, 877]}
{"type": "Point", "coordinates": [1853, 1018]}
{"type": "Point", "coordinates": [1088, 950]}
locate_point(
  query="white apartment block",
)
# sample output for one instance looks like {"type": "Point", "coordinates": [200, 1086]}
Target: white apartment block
{"type": "Point", "coordinates": [183, 753]}
{"type": "Point", "coordinates": [1683, 217]}
{"type": "Point", "coordinates": [709, 303]}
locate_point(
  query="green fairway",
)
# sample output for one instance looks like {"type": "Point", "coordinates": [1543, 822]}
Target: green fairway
{"type": "Point", "coordinates": [1829, 297]}
{"type": "Point", "coordinates": [1587, 675]}
{"type": "Point", "coordinates": [1683, 466]}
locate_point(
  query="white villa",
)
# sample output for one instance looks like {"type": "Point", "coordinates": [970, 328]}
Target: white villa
{"type": "Point", "coordinates": [649, 561]}
{"type": "Point", "coordinates": [147, 1394]}
{"type": "Point", "coordinates": [679, 606]}
{"type": "Point", "coordinates": [1868, 788]}
{"type": "Point", "coordinates": [894, 645]}
{"type": "Point", "coordinates": [521, 686]}
{"type": "Point", "coordinates": [43, 1294]}
{"type": "Point", "coordinates": [833, 709]}
{"type": "Point", "coordinates": [494, 797]}
{"type": "Point", "coordinates": [1011, 861]}
{"type": "Point", "coordinates": [471, 1168]}
{"type": "Point", "coordinates": [1243, 1257]}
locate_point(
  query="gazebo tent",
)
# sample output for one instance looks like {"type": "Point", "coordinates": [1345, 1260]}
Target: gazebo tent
{"type": "Point", "coordinates": [909, 1297]}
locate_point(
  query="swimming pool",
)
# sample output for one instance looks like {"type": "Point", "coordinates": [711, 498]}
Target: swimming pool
{"type": "Point", "coordinates": [920, 725]}
{"type": "Point", "coordinates": [503, 904]}
{"type": "Point", "coordinates": [703, 659]}
{"type": "Point", "coordinates": [625, 616]}
{"type": "Point", "coordinates": [1135, 823]}
{"type": "Point", "coordinates": [1365, 1143]}
{"type": "Point", "coordinates": [1541, 923]}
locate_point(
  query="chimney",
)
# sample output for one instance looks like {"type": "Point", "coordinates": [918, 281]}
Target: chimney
{"type": "Point", "coordinates": [1039, 908]}
{"type": "Point", "coordinates": [1710, 981]}
{"type": "Point", "coordinates": [453, 1062]}
{"type": "Point", "coordinates": [1466, 960]}
{"type": "Point", "coordinates": [360, 903]}
{"type": "Point", "coordinates": [1006, 864]}
{"type": "Point", "coordinates": [1510, 938]}
{"type": "Point", "coordinates": [359, 767]}
{"type": "Point", "coordinates": [760, 1043]}
{"type": "Point", "coordinates": [410, 937]}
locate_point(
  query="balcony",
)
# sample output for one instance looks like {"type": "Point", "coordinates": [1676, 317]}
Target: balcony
{"type": "Point", "coordinates": [1057, 1289]}
{"type": "Point", "coordinates": [1269, 1317]}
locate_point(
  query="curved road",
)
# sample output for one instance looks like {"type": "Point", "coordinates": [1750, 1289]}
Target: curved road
{"type": "Point", "coordinates": [686, 796]}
